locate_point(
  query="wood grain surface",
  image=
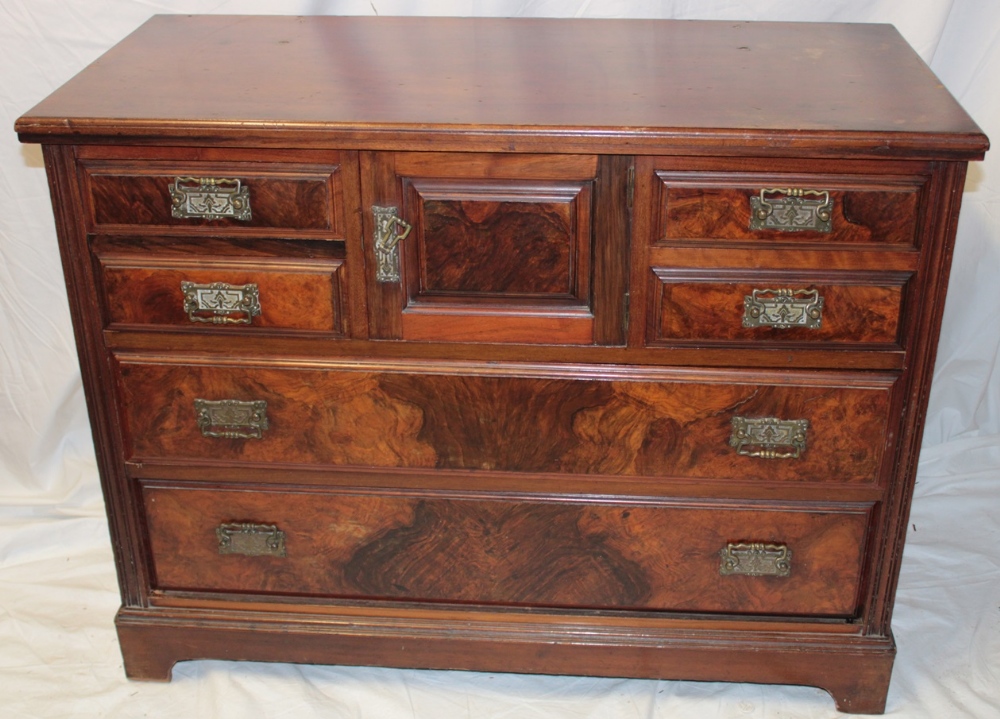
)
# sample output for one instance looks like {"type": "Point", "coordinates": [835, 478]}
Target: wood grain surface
{"type": "Point", "coordinates": [497, 248]}
{"type": "Point", "coordinates": [306, 295]}
{"type": "Point", "coordinates": [139, 198]}
{"type": "Point", "coordinates": [642, 81]}
{"type": "Point", "coordinates": [723, 213]}
{"type": "Point", "coordinates": [852, 314]}
{"type": "Point", "coordinates": [502, 248]}
{"type": "Point", "coordinates": [556, 554]}
{"type": "Point", "coordinates": [676, 427]}
{"type": "Point", "coordinates": [497, 230]}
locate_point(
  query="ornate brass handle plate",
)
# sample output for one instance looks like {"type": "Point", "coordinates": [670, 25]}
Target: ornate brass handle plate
{"type": "Point", "coordinates": [783, 308]}
{"type": "Point", "coordinates": [209, 198]}
{"type": "Point", "coordinates": [251, 540]}
{"type": "Point", "coordinates": [231, 418]}
{"type": "Point", "coordinates": [791, 210]}
{"type": "Point", "coordinates": [220, 303]}
{"type": "Point", "coordinates": [756, 559]}
{"type": "Point", "coordinates": [390, 230]}
{"type": "Point", "coordinates": [769, 437]}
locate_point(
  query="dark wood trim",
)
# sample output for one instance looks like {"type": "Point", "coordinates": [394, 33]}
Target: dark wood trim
{"type": "Point", "coordinates": [97, 373]}
{"type": "Point", "coordinates": [612, 222]}
{"type": "Point", "coordinates": [854, 670]}
{"type": "Point", "coordinates": [386, 300]}
{"type": "Point", "coordinates": [939, 222]}
{"type": "Point", "coordinates": [672, 142]}
{"type": "Point", "coordinates": [576, 486]}
{"type": "Point", "coordinates": [297, 348]}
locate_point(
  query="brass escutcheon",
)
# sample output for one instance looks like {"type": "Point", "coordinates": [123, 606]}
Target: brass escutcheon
{"type": "Point", "coordinates": [231, 418]}
{"type": "Point", "coordinates": [390, 230]}
{"type": "Point", "coordinates": [769, 437]}
{"type": "Point", "coordinates": [220, 303]}
{"type": "Point", "coordinates": [783, 309]}
{"type": "Point", "coordinates": [791, 210]}
{"type": "Point", "coordinates": [756, 559]}
{"type": "Point", "coordinates": [251, 540]}
{"type": "Point", "coordinates": [209, 198]}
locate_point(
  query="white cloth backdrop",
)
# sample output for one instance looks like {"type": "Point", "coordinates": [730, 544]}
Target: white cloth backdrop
{"type": "Point", "coordinates": [58, 653]}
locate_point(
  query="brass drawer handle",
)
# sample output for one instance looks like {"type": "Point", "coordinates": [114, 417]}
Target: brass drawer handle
{"type": "Point", "coordinates": [219, 303]}
{"type": "Point", "coordinates": [231, 418]}
{"type": "Point", "coordinates": [769, 437]}
{"type": "Point", "coordinates": [793, 211]}
{"type": "Point", "coordinates": [756, 559]}
{"type": "Point", "coordinates": [783, 309]}
{"type": "Point", "coordinates": [209, 198]}
{"type": "Point", "coordinates": [251, 540]}
{"type": "Point", "coordinates": [390, 230]}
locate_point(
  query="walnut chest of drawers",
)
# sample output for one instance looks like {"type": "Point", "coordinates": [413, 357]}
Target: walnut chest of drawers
{"type": "Point", "coordinates": [552, 346]}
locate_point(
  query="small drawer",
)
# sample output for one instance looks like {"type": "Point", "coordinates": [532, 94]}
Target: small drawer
{"type": "Point", "coordinates": [786, 208]}
{"type": "Point", "coordinates": [764, 426]}
{"type": "Point", "coordinates": [230, 198]}
{"type": "Point", "coordinates": [214, 294]}
{"type": "Point", "coordinates": [666, 556]}
{"type": "Point", "coordinates": [773, 309]}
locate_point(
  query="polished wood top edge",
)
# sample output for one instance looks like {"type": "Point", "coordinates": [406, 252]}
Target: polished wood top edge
{"type": "Point", "coordinates": [479, 138]}
{"type": "Point", "coordinates": [752, 82]}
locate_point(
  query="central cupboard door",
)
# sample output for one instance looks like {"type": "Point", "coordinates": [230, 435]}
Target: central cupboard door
{"type": "Point", "coordinates": [469, 247]}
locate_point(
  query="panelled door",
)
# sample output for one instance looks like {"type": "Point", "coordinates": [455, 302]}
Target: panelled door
{"type": "Point", "coordinates": [468, 247]}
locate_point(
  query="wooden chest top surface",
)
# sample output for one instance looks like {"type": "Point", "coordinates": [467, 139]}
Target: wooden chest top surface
{"type": "Point", "coordinates": [230, 76]}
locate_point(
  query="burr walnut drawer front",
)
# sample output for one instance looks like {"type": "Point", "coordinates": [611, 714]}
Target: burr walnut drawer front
{"type": "Point", "coordinates": [227, 197]}
{"type": "Point", "coordinates": [596, 420]}
{"type": "Point", "coordinates": [213, 293]}
{"type": "Point", "coordinates": [733, 306]}
{"type": "Point", "coordinates": [792, 207]}
{"type": "Point", "coordinates": [711, 557]}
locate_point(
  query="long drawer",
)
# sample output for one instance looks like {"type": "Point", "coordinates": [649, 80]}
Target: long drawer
{"type": "Point", "coordinates": [707, 557]}
{"type": "Point", "coordinates": [597, 420]}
